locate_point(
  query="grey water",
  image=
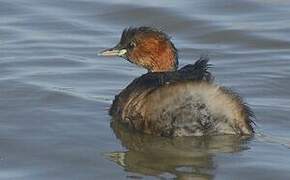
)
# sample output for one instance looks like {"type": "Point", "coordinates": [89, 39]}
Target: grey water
{"type": "Point", "coordinates": [55, 91]}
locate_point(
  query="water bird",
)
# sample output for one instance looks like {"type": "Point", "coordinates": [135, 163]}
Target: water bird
{"type": "Point", "coordinates": [167, 101]}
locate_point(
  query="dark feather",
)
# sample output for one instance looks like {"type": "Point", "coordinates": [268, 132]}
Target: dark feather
{"type": "Point", "coordinates": [131, 32]}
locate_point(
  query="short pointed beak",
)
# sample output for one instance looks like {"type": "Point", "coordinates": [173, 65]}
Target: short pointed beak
{"type": "Point", "coordinates": [112, 52]}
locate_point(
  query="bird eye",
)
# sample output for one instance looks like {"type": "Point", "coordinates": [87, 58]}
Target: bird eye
{"type": "Point", "coordinates": [131, 45]}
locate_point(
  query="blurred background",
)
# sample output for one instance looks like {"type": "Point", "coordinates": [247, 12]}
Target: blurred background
{"type": "Point", "coordinates": [55, 92]}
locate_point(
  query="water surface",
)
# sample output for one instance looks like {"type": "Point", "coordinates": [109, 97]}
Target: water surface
{"type": "Point", "coordinates": [55, 91]}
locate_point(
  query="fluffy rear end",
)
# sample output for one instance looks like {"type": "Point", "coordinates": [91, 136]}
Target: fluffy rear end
{"type": "Point", "coordinates": [195, 109]}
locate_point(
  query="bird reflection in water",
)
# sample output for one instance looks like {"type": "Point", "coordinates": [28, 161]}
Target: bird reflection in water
{"type": "Point", "coordinates": [177, 157]}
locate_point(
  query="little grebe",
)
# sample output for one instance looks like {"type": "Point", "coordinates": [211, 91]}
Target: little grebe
{"type": "Point", "coordinates": [170, 102]}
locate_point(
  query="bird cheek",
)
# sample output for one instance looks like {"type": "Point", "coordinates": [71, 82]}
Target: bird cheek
{"type": "Point", "coordinates": [130, 57]}
{"type": "Point", "coordinates": [133, 56]}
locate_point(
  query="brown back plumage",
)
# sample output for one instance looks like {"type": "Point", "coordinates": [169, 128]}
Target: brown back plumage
{"type": "Point", "coordinates": [182, 103]}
